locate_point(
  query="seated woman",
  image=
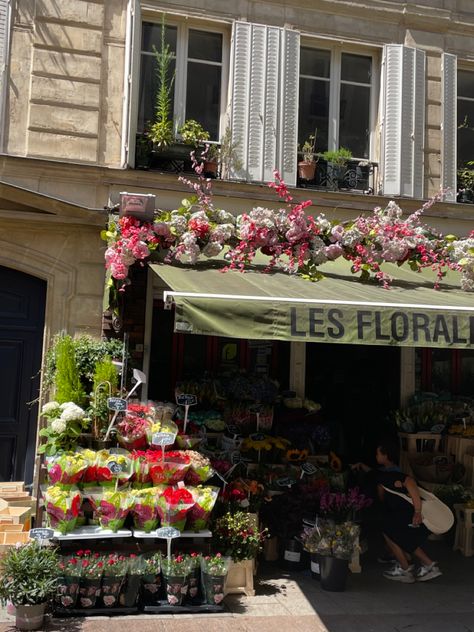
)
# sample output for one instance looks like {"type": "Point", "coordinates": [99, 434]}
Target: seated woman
{"type": "Point", "coordinates": [403, 529]}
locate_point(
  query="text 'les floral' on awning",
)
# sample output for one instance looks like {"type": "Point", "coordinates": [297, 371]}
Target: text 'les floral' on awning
{"type": "Point", "coordinates": [339, 308]}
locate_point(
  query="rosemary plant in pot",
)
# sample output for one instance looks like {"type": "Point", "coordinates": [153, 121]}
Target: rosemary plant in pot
{"type": "Point", "coordinates": [28, 578]}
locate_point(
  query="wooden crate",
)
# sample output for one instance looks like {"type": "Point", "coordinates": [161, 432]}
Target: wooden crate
{"type": "Point", "coordinates": [11, 527]}
{"type": "Point", "coordinates": [18, 515]}
{"type": "Point", "coordinates": [240, 578]}
{"type": "Point", "coordinates": [10, 539]}
{"type": "Point", "coordinates": [8, 487]}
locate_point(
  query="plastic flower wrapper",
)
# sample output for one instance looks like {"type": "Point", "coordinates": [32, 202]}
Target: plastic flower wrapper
{"type": "Point", "coordinates": [111, 507]}
{"type": "Point", "coordinates": [106, 460]}
{"type": "Point", "coordinates": [90, 476]}
{"type": "Point", "coordinates": [169, 471]}
{"type": "Point", "coordinates": [194, 575]}
{"type": "Point", "coordinates": [176, 574]}
{"type": "Point", "coordinates": [150, 577]}
{"type": "Point", "coordinates": [115, 570]}
{"type": "Point", "coordinates": [159, 426]}
{"type": "Point", "coordinates": [173, 506]}
{"type": "Point", "coordinates": [92, 570]}
{"type": "Point", "coordinates": [67, 468]}
{"type": "Point", "coordinates": [69, 569]}
{"type": "Point", "coordinates": [132, 431]}
{"type": "Point", "coordinates": [200, 469]}
{"type": "Point", "coordinates": [144, 508]}
{"type": "Point", "coordinates": [62, 507]}
{"type": "Point", "coordinates": [204, 501]}
{"type": "Point", "coordinates": [214, 572]}
{"type": "Point", "coordinates": [187, 441]}
{"type": "Point", "coordinates": [141, 469]}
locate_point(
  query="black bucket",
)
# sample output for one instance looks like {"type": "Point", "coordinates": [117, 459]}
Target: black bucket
{"type": "Point", "coordinates": [292, 555]}
{"type": "Point", "coordinates": [333, 573]}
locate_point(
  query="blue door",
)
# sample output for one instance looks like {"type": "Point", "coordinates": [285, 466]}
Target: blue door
{"type": "Point", "coordinates": [22, 307]}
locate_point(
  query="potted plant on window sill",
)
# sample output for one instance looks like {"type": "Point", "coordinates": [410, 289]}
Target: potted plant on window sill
{"type": "Point", "coordinates": [28, 578]}
{"type": "Point", "coordinates": [465, 193]}
{"type": "Point", "coordinates": [337, 165]}
{"type": "Point", "coordinates": [211, 161]}
{"type": "Point", "coordinates": [307, 166]}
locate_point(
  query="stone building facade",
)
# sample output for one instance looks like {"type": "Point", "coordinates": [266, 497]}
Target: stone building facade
{"type": "Point", "coordinates": [72, 97]}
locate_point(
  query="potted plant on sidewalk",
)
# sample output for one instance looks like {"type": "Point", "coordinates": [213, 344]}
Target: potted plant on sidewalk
{"type": "Point", "coordinates": [176, 578]}
{"type": "Point", "coordinates": [214, 570]}
{"type": "Point", "coordinates": [28, 578]}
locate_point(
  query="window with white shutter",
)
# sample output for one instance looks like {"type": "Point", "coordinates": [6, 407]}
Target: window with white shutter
{"type": "Point", "coordinates": [448, 125]}
{"type": "Point", "coordinates": [132, 69]}
{"type": "Point", "coordinates": [264, 100]}
{"type": "Point", "coordinates": [403, 122]}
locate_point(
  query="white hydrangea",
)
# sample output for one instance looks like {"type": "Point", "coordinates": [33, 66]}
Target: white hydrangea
{"type": "Point", "coordinates": [50, 407]}
{"type": "Point", "coordinates": [212, 249]}
{"type": "Point", "coordinates": [71, 412]}
{"type": "Point", "coordinates": [224, 217]}
{"type": "Point", "coordinates": [58, 425]}
{"type": "Point", "coordinates": [351, 237]}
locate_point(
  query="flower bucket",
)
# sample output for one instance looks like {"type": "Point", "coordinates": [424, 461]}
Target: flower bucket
{"type": "Point", "coordinates": [111, 587]}
{"type": "Point", "coordinates": [315, 566]}
{"type": "Point", "coordinates": [292, 555]}
{"type": "Point", "coordinates": [89, 591]}
{"type": "Point", "coordinates": [333, 573]}
{"type": "Point", "coordinates": [213, 588]}
{"type": "Point", "coordinates": [67, 591]}
{"type": "Point", "coordinates": [194, 582]}
{"type": "Point", "coordinates": [29, 617]}
{"type": "Point", "coordinates": [176, 588]}
{"type": "Point", "coordinates": [151, 584]}
{"type": "Point", "coordinates": [130, 591]}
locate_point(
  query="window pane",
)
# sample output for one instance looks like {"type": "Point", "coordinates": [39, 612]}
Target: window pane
{"type": "Point", "coordinates": [354, 120]}
{"type": "Point", "coordinates": [148, 88]}
{"type": "Point", "coordinates": [203, 94]}
{"type": "Point", "coordinates": [204, 45]}
{"type": "Point", "coordinates": [314, 62]}
{"type": "Point", "coordinates": [467, 373]}
{"type": "Point", "coordinates": [441, 370]}
{"type": "Point", "coordinates": [465, 131]}
{"type": "Point", "coordinates": [465, 84]}
{"type": "Point", "coordinates": [314, 112]}
{"type": "Point", "coordinates": [356, 68]}
{"type": "Point", "coordinates": [151, 36]}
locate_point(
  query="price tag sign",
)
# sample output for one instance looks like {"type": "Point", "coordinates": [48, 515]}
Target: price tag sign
{"type": "Point", "coordinates": [117, 403]}
{"type": "Point", "coordinates": [41, 534]}
{"type": "Point", "coordinates": [256, 408]}
{"type": "Point", "coordinates": [114, 467]}
{"type": "Point", "coordinates": [163, 438]}
{"type": "Point", "coordinates": [186, 400]}
{"type": "Point", "coordinates": [232, 430]}
{"type": "Point", "coordinates": [167, 533]}
{"type": "Point", "coordinates": [237, 458]}
{"type": "Point", "coordinates": [285, 482]}
{"type": "Point", "coordinates": [309, 469]}
{"type": "Point", "coordinates": [257, 436]}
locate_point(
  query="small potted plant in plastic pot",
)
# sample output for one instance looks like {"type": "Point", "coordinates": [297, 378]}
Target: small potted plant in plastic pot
{"type": "Point", "coordinates": [28, 578]}
{"type": "Point", "coordinates": [214, 573]}
{"type": "Point", "coordinates": [115, 571]}
{"type": "Point", "coordinates": [68, 583]}
{"type": "Point", "coordinates": [151, 578]}
{"type": "Point", "coordinates": [176, 578]}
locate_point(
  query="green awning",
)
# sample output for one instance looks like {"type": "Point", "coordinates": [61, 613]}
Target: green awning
{"type": "Point", "coordinates": [339, 308]}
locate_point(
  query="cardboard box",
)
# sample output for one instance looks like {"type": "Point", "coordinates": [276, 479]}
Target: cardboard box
{"type": "Point", "coordinates": [11, 527]}
{"type": "Point", "coordinates": [8, 486]}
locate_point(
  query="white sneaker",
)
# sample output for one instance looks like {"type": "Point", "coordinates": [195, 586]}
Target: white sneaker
{"type": "Point", "coordinates": [425, 573]}
{"type": "Point", "coordinates": [399, 575]}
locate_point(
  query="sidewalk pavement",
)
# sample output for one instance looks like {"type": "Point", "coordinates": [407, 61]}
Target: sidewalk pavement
{"type": "Point", "coordinates": [296, 602]}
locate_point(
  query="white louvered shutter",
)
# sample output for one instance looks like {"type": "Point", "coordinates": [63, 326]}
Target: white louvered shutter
{"type": "Point", "coordinates": [133, 78]}
{"type": "Point", "coordinates": [403, 121]}
{"type": "Point", "coordinates": [5, 20]}
{"type": "Point", "coordinates": [449, 125]}
{"type": "Point", "coordinates": [264, 100]}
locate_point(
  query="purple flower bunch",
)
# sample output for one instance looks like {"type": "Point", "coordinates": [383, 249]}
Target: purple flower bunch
{"type": "Point", "coordinates": [342, 506]}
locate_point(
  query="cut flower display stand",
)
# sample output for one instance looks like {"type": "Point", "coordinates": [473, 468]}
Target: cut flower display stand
{"type": "Point", "coordinates": [240, 578]}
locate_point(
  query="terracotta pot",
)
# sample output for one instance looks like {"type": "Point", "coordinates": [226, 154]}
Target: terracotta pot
{"type": "Point", "coordinates": [306, 170]}
{"type": "Point", "coordinates": [30, 617]}
{"type": "Point", "coordinates": [210, 168]}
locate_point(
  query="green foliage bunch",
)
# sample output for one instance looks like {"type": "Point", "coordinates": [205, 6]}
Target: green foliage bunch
{"type": "Point", "coordinates": [67, 382]}
{"type": "Point", "coordinates": [339, 157]}
{"type": "Point", "coordinates": [105, 372]}
{"type": "Point", "coordinates": [193, 133]}
{"type": "Point", "coordinates": [29, 574]}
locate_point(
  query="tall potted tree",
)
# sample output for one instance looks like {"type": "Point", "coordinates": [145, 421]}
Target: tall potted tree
{"type": "Point", "coordinates": [28, 578]}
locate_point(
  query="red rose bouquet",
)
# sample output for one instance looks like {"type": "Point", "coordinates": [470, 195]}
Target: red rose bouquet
{"type": "Point", "coordinates": [169, 471]}
{"type": "Point", "coordinates": [173, 506]}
